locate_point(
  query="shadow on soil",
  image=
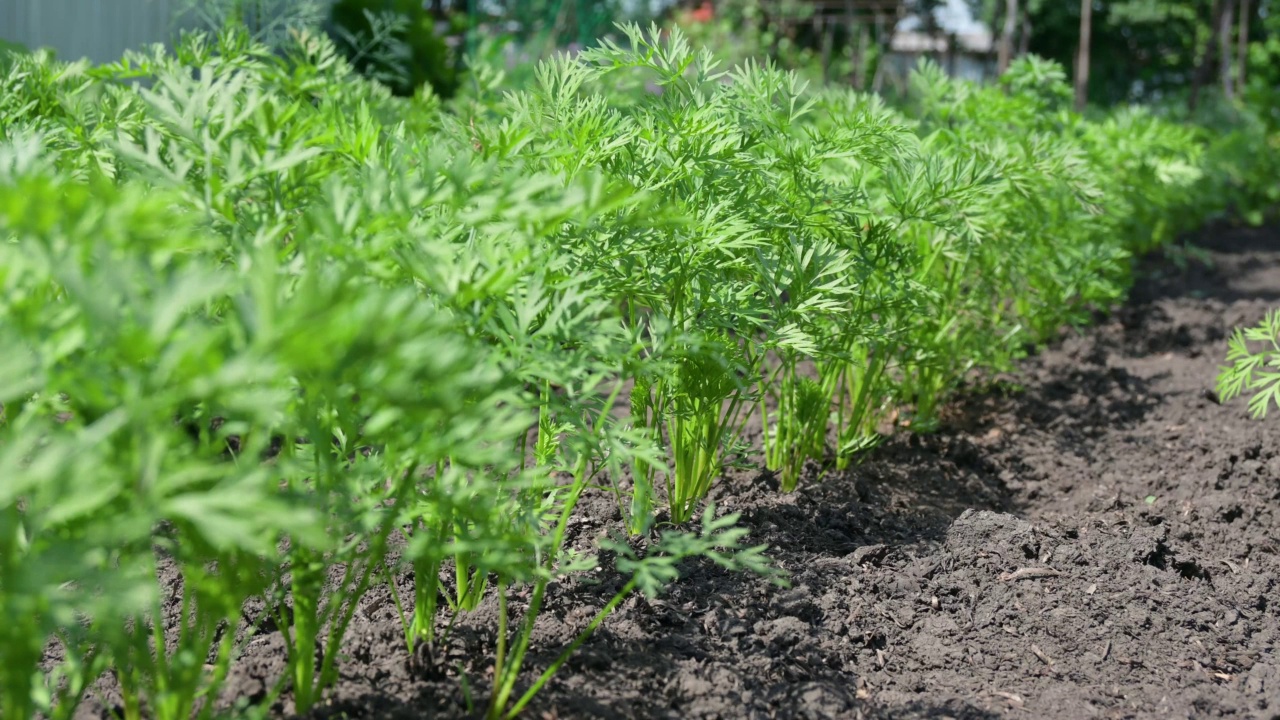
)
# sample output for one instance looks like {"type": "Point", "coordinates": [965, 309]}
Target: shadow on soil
{"type": "Point", "coordinates": [1226, 264]}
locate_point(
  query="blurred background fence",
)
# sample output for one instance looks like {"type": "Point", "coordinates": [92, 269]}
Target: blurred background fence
{"type": "Point", "coordinates": [97, 29]}
{"type": "Point", "coordinates": [840, 39]}
{"type": "Point", "coordinates": [1115, 50]}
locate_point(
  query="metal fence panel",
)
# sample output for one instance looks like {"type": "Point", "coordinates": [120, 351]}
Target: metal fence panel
{"type": "Point", "coordinates": [102, 30]}
{"type": "Point", "coordinates": [97, 29]}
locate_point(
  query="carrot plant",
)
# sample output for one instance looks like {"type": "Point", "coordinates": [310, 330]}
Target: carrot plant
{"type": "Point", "coordinates": [1032, 225]}
{"type": "Point", "coordinates": [138, 348]}
{"type": "Point", "coordinates": [718, 540]}
{"type": "Point", "coordinates": [737, 249]}
{"type": "Point", "coordinates": [1253, 369]}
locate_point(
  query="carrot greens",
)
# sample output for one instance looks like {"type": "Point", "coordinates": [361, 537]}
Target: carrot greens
{"type": "Point", "coordinates": [281, 337]}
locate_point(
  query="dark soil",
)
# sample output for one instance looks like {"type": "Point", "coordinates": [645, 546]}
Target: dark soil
{"type": "Point", "coordinates": [1096, 539]}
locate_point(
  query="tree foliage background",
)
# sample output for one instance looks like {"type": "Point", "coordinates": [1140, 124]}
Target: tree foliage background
{"type": "Point", "coordinates": [1150, 51]}
{"type": "Point", "coordinates": [1144, 50]}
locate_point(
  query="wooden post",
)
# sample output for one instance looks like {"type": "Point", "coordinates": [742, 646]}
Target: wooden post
{"type": "Point", "coordinates": [857, 50]}
{"type": "Point", "coordinates": [1024, 41]}
{"type": "Point", "coordinates": [1005, 52]}
{"type": "Point", "coordinates": [883, 41]}
{"type": "Point", "coordinates": [828, 31]}
{"type": "Point", "coordinates": [1224, 49]}
{"type": "Point", "coordinates": [1203, 68]}
{"type": "Point", "coordinates": [1242, 50]}
{"type": "Point", "coordinates": [864, 44]}
{"type": "Point", "coordinates": [1082, 57]}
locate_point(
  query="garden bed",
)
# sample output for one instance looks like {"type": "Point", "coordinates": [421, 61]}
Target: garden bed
{"type": "Point", "coordinates": [297, 349]}
{"type": "Point", "coordinates": [1096, 538]}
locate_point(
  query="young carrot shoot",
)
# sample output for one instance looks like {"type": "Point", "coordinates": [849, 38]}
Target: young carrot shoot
{"type": "Point", "coordinates": [1254, 369]}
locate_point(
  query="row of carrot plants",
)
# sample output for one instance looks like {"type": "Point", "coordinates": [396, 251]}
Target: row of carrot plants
{"type": "Point", "coordinates": [267, 324]}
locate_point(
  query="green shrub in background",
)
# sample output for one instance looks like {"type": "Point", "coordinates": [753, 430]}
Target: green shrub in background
{"type": "Point", "coordinates": [396, 43]}
{"type": "Point", "coordinates": [10, 50]}
{"type": "Point", "coordinates": [1242, 158]}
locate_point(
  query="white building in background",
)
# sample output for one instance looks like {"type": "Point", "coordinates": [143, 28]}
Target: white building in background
{"type": "Point", "coordinates": [972, 56]}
